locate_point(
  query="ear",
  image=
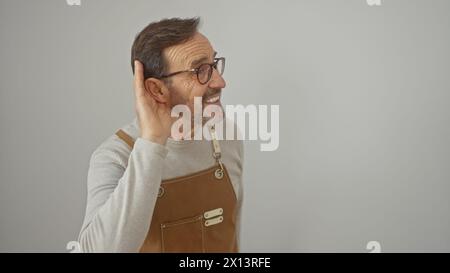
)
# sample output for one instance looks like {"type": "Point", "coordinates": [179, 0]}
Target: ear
{"type": "Point", "coordinates": [157, 89]}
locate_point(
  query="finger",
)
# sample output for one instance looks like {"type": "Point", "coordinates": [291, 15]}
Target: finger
{"type": "Point", "coordinates": [139, 86]}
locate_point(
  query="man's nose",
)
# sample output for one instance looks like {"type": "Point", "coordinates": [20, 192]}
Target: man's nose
{"type": "Point", "coordinates": [217, 81]}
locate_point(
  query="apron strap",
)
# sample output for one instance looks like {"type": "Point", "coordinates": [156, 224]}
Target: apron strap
{"type": "Point", "coordinates": [216, 147]}
{"type": "Point", "coordinates": [125, 137]}
{"type": "Point", "coordinates": [217, 153]}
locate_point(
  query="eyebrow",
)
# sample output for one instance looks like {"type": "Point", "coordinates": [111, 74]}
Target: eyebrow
{"type": "Point", "coordinates": [202, 60]}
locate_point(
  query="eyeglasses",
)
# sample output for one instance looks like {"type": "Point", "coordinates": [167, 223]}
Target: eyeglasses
{"type": "Point", "coordinates": [204, 71]}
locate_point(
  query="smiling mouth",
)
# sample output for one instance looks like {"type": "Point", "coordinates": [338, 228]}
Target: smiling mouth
{"type": "Point", "coordinates": [212, 99]}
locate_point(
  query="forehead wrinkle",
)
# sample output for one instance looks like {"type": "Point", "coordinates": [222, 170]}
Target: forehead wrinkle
{"type": "Point", "coordinates": [195, 53]}
{"type": "Point", "coordinates": [174, 57]}
{"type": "Point", "coordinates": [180, 56]}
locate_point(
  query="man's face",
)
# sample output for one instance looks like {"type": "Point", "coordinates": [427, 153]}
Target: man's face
{"type": "Point", "coordinates": [185, 87]}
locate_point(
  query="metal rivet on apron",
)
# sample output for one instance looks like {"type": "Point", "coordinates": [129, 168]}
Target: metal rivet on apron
{"type": "Point", "coordinates": [214, 221]}
{"type": "Point", "coordinates": [213, 213]}
{"type": "Point", "coordinates": [161, 192]}
{"type": "Point", "coordinates": [219, 173]}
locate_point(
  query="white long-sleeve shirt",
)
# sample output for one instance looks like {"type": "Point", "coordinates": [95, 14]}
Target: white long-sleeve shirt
{"type": "Point", "coordinates": [123, 185]}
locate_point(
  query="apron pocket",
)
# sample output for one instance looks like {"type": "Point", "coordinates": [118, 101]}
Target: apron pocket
{"type": "Point", "coordinates": [185, 235]}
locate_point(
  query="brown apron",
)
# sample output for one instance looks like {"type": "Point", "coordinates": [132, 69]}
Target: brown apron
{"type": "Point", "coordinates": [195, 212]}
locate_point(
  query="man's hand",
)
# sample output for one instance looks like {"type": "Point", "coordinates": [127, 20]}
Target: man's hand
{"type": "Point", "coordinates": [154, 117]}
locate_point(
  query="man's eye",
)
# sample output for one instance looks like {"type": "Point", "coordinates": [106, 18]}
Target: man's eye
{"type": "Point", "coordinates": [203, 69]}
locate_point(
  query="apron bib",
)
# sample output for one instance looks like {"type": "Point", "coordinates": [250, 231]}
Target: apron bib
{"type": "Point", "coordinates": [195, 212]}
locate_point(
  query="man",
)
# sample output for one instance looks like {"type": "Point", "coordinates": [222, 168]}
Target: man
{"type": "Point", "coordinates": [147, 191]}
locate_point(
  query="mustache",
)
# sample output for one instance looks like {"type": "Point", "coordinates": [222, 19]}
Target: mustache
{"type": "Point", "coordinates": [212, 92]}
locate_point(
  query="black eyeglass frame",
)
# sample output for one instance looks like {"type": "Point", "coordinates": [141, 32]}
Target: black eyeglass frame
{"type": "Point", "coordinates": [197, 70]}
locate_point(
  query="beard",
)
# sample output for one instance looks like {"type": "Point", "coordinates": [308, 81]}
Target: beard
{"type": "Point", "coordinates": [211, 97]}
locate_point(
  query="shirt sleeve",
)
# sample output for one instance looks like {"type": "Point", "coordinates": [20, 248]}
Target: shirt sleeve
{"type": "Point", "coordinates": [121, 198]}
